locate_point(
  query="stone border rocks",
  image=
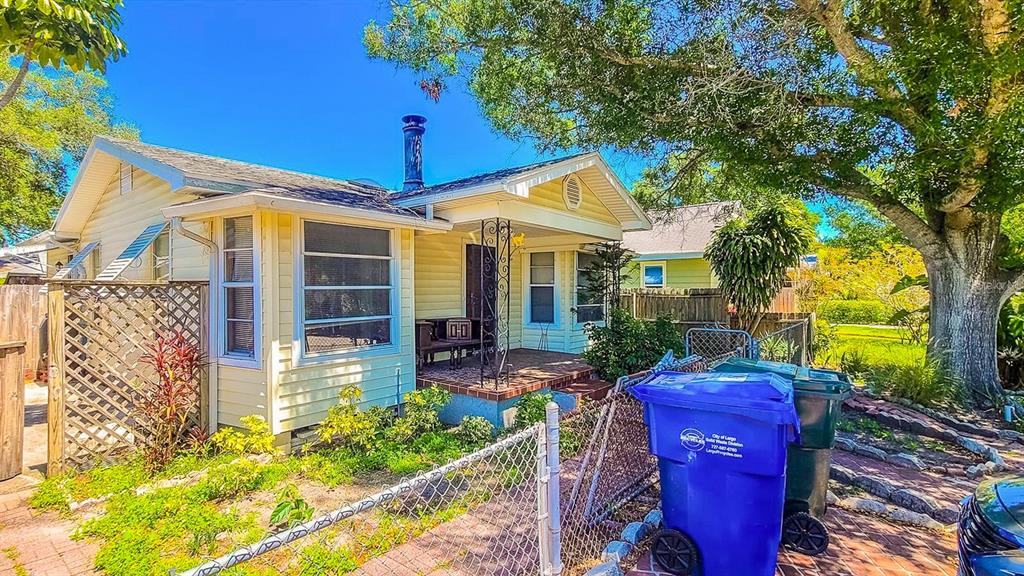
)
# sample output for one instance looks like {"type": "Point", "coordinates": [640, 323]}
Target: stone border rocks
{"type": "Point", "coordinates": [893, 513]}
{"type": "Point", "coordinates": [906, 498]}
{"type": "Point", "coordinates": [901, 459]}
{"type": "Point", "coordinates": [617, 550]}
{"type": "Point", "coordinates": [901, 417]}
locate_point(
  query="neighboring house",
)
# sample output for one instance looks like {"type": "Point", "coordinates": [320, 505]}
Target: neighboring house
{"type": "Point", "coordinates": [671, 254]}
{"type": "Point", "coordinates": [318, 283]}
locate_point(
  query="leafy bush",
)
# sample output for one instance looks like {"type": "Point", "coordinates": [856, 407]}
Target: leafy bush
{"type": "Point", "coordinates": [776, 349]}
{"type": "Point", "coordinates": [419, 414]}
{"type": "Point", "coordinates": [254, 439]}
{"type": "Point", "coordinates": [854, 362]}
{"type": "Point", "coordinates": [166, 406]}
{"type": "Point", "coordinates": [532, 408]}
{"type": "Point", "coordinates": [475, 430]}
{"type": "Point", "coordinates": [924, 383]}
{"type": "Point", "coordinates": [345, 425]}
{"type": "Point", "coordinates": [824, 336]}
{"type": "Point", "coordinates": [855, 312]}
{"type": "Point", "coordinates": [628, 345]}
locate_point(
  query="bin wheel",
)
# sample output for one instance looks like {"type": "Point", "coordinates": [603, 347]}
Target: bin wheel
{"type": "Point", "coordinates": [805, 534]}
{"type": "Point", "coordinates": [675, 553]}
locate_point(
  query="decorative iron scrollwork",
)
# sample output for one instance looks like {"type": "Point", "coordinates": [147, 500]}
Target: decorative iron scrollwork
{"type": "Point", "coordinates": [495, 287]}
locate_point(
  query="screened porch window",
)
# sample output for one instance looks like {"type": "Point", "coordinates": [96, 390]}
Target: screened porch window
{"type": "Point", "coordinates": [162, 256]}
{"type": "Point", "coordinates": [239, 288]}
{"type": "Point", "coordinates": [347, 287]}
{"type": "Point", "coordinates": [542, 288]}
{"type": "Point", "coordinates": [589, 303]}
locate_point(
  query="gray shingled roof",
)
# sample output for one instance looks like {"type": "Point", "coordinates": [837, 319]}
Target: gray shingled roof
{"type": "Point", "coordinates": [686, 229]}
{"type": "Point", "coordinates": [481, 179]}
{"type": "Point", "coordinates": [221, 175]}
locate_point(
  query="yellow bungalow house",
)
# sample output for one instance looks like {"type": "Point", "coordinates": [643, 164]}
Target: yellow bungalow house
{"type": "Point", "coordinates": [319, 283]}
{"type": "Point", "coordinates": [671, 253]}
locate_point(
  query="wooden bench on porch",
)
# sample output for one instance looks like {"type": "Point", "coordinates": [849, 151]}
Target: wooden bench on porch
{"type": "Point", "coordinates": [456, 336]}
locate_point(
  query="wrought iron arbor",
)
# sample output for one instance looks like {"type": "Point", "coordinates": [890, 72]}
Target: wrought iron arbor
{"type": "Point", "coordinates": [495, 287]}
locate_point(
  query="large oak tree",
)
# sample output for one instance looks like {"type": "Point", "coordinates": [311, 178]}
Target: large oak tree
{"type": "Point", "coordinates": [914, 107]}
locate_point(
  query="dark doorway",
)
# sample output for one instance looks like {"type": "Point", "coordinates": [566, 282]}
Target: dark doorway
{"type": "Point", "coordinates": [475, 291]}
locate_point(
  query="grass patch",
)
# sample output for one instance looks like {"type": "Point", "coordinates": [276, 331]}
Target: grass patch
{"type": "Point", "coordinates": [876, 345]}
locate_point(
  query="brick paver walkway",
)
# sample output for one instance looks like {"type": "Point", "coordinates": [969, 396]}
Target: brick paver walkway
{"type": "Point", "coordinates": [40, 544]}
{"type": "Point", "coordinates": [863, 546]}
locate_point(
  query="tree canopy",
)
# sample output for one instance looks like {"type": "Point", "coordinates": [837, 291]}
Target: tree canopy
{"type": "Point", "coordinates": [78, 34]}
{"type": "Point", "coordinates": [912, 107]}
{"type": "Point", "coordinates": [44, 134]}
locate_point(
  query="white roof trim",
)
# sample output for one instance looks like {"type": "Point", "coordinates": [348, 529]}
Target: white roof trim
{"type": "Point", "coordinates": [173, 176]}
{"type": "Point", "coordinates": [521, 183]}
{"type": "Point", "coordinates": [669, 256]}
{"type": "Point", "coordinates": [210, 206]}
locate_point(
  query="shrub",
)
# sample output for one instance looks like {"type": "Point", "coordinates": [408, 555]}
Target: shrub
{"type": "Point", "coordinates": [291, 509]}
{"type": "Point", "coordinates": [855, 312]}
{"type": "Point", "coordinates": [474, 430]}
{"type": "Point", "coordinates": [776, 349]}
{"type": "Point", "coordinates": [924, 383]}
{"type": "Point", "coordinates": [532, 408]}
{"type": "Point", "coordinates": [345, 425]}
{"type": "Point", "coordinates": [628, 345]}
{"type": "Point", "coordinates": [419, 414]}
{"type": "Point", "coordinates": [166, 406]}
{"type": "Point", "coordinates": [824, 336]}
{"type": "Point", "coordinates": [255, 438]}
{"type": "Point", "coordinates": [854, 362]}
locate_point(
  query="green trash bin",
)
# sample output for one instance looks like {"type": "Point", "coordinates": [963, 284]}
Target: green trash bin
{"type": "Point", "coordinates": [819, 396]}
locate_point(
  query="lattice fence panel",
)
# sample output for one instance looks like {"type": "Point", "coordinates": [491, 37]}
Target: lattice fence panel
{"type": "Point", "coordinates": [108, 327]}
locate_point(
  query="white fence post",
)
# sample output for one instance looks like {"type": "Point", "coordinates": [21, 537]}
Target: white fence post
{"type": "Point", "coordinates": [543, 539]}
{"type": "Point", "coordinates": [553, 490]}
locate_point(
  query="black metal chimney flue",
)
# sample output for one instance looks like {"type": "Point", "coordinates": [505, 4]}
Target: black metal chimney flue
{"type": "Point", "coordinates": [413, 131]}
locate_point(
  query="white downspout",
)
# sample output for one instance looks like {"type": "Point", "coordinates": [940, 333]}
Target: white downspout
{"type": "Point", "coordinates": [214, 337]}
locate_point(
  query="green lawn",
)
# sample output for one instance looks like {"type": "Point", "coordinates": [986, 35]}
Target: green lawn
{"type": "Point", "coordinates": [877, 344]}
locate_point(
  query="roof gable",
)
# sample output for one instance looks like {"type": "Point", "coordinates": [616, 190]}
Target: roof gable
{"type": "Point", "coordinates": [590, 167]}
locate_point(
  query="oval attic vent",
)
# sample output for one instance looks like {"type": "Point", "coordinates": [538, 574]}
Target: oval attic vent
{"type": "Point", "coordinates": [572, 190]}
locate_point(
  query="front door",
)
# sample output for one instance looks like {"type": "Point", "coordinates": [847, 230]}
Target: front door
{"type": "Point", "coordinates": [475, 290]}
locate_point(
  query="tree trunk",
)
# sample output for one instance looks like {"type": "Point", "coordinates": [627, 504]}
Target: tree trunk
{"type": "Point", "coordinates": [967, 289]}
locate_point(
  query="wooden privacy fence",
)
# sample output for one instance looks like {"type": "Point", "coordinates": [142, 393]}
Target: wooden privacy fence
{"type": "Point", "coordinates": [23, 318]}
{"type": "Point", "coordinates": [99, 334]}
{"type": "Point", "coordinates": [691, 307]}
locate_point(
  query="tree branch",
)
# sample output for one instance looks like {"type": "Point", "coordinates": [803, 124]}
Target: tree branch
{"type": "Point", "coordinates": [830, 16]}
{"type": "Point", "coordinates": [19, 78]}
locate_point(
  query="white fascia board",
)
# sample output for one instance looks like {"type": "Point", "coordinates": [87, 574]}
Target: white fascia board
{"type": "Point", "coordinates": [173, 176]}
{"type": "Point", "coordinates": [669, 256]}
{"type": "Point", "coordinates": [205, 208]}
{"type": "Point", "coordinates": [608, 173]}
{"type": "Point", "coordinates": [530, 215]}
{"type": "Point", "coordinates": [521, 184]}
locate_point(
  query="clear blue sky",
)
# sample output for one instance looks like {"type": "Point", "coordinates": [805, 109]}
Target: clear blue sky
{"type": "Point", "coordinates": [288, 84]}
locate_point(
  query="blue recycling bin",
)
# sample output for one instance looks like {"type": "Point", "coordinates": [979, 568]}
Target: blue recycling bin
{"type": "Point", "coordinates": [721, 442]}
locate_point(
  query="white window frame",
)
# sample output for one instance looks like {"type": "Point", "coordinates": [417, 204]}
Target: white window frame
{"type": "Point", "coordinates": [306, 357]}
{"type": "Point", "coordinates": [528, 293]}
{"type": "Point", "coordinates": [224, 357]}
{"type": "Point", "coordinates": [643, 274]}
{"type": "Point", "coordinates": [576, 294]}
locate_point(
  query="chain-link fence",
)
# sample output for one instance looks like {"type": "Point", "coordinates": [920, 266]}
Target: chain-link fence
{"type": "Point", "coordinates": [545, 500]}
{"type": "Point", "coordinates": [485, 513]}
{"type": "Point", "coordinates": [716, 345]}
{"type": "Point", "coordinates": [791, 344]}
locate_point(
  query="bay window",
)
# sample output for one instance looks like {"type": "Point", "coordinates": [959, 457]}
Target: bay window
{"type": "Point", "coordinates": [542, 288]}
{"type": "Point", "coordinates": [347, 287]}
{"type": "Point", "coordinates": [589, 303]}
{"type": "Point", "coordinates": [238, 287]}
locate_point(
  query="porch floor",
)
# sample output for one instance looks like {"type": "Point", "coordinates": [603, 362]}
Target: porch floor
{"type": "Point", "coordinates": [530, 370]}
